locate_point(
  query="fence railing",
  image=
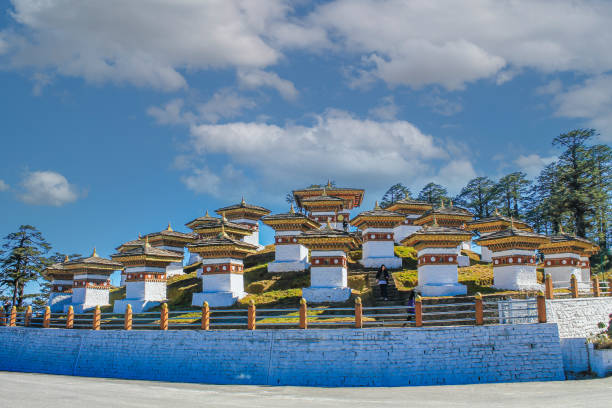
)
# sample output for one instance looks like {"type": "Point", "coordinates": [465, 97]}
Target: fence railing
{"type": "Point", "coordinates": [476, 312]}
{"type": "Point", "coordinates": [575, 289]}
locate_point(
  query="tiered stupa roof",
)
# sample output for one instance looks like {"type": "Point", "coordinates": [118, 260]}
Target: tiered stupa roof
{"type": "Point", "coordinates": [409, 206]}
{"type": "Point", "coordinates": [563, 242]}
{"type": "Point", "coordinates": [94, 263]}
{"type": "Point", "coordinates": [145, 254]}
{"type": "Point", "coordinates": [436, 236]}
{"type": "Point", "coordinates": [446, 216]}
{"type": "Point", "coordinates": [495, 223]}
{"type": "Point", "coordinates": [328, 238]}
{"type": "Point", "coordinates": [208, 226]}
{"type": "Point", "coordinates": [512, 238]}
{"type": "Point", "coordinates": [56, 271]}
{"type": "Point", "coordinates": [377, 217]}
{"type": "Point", "coordinates": [222, 246]}
{"type": "Point", "coordinates": [352, 197]}
{"type": "Point", "coordinates": [290, 221]}
{"type": "Point", "coordinates": [243, 210]}
{"type": "Point", "coordinates": [171, 238]}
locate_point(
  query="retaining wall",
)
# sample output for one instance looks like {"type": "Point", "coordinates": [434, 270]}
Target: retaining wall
{"type": "Point", "coordinates": [332, 357]}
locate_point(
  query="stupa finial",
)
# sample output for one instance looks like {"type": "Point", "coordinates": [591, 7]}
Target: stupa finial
{"type": "Point", "coordinates": [242, 202]}
{"type": "Point", "coordinates": [497, 212]}
{"type": "Point", "coordinates": [223, 234]}
{"type": "Point", "coordinates": [147, 245]}
{"type": "Point", "coordinates": [223, 217]}
{"type": "Point", "coordinates": [441, 202]}
{"type": "Point", "coordinates": [95, 253]}
{"type": "Point", "coordinates": [376, 206]}
{"type": "Point", "coordinates": [206, 214]}
{"type": "Point", "coordinates": [435, 220]}
{"type": "Point", "coordinates": [292, 210]}
{"type": "Point", "coordinates": [66, 259]}
{"type": "Point", "coordinates": [169, 227]}
{"type": "Point", "coordinates": [329, 183]}
{"type": "Point", "coordinates": [324, 192]}
{"type": "Point", "coordinates": [328, 226]}
{"type": "Point", "coordinates": [139, 236]}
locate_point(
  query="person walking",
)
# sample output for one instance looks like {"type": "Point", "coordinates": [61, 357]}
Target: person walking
{"type": "Point", "coordinates": [382, 276]}
{"type": "Point", "coordinates": [410, 304]}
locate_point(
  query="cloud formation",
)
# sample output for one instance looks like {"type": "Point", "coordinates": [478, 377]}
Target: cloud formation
{"type": "Point", "coordinates": [3, 186]}
{"type": "Point", "coordinates": [532, 164]}
{"type": "Point", "coordinates": [47, 188]}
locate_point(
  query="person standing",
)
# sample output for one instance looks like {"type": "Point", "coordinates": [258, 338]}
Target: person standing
{"type": "Point", "coordinates": [382, 276]}
{"type": "Point", "coordinates": [411, 300]}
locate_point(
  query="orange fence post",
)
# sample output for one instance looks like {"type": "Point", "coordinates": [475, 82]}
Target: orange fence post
{"type": "Point", "coordinates": [163, 321]}
{"type": "Point", "coordinates": [418, 311]}
{"type": "Point", "coordinates": [205, 316]}
{"type": "Point", "coordinates": [96, 318]}
{"type": "Point", "coordinates": [47, 318]}
{"type": "Point", "coordinates": [127, 318]}
{"type": "Point", "coordinates": [596, 288]}
{"type": "Point", "coordinates": [548, 285]}
{"type": "Point", "coordinates": [70, 318]}
{"type": "Point", "coordinates": [574, 286]}
{"type": "Point", "coordinates": [28, 317]}
{"type": "Point", "coordinates": [13, 317]}
{"type": "Point", "coordinates": [303, 314]}
{"type": "Point", "coordinates": [358, 313]}
{"type": "Point", "coordinates": [541, 308]}
{"type": "Point", "coordinates": [251, 316]}
{"type": "Point", "coordinates": [479, 309]}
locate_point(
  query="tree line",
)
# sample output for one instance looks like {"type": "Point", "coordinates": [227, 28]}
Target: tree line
{"type": "Point", "coordinates": [572, 194]}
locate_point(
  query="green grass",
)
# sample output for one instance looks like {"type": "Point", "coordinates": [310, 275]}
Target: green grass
{"type": "Point", "coordinates": [408, 255]}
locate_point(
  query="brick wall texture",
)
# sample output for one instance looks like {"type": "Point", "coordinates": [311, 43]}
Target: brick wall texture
{"type": "Point", "coordinates": [338, 357]}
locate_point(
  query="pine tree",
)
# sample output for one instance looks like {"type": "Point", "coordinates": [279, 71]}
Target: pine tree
{"type": "Point", "coordinates": [433, 193]}
{"type": "Point", "coordinates": [22, 260]}
{"type": "Point", "coordinates": [394, 193]}
{"type": "Point", "coordinates": [511, 191]}
{"type": "Point", "coordinates": [479, 196]}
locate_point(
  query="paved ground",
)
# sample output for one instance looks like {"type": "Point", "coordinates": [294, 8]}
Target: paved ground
{"type": "Point", "coordinates": [20, 390]}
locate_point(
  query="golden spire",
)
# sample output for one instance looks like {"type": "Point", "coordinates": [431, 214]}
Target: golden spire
{"type": "Point", "coordinates": [95, 253]}
{"type": "Point", "coordinates": [441, 203]}
{"type": "Point", "coordinates": [66, 259]}
{"type": "Point", "coordinates": [291, 210]}
{"type": "Point", "coordinates": [139, 236]}
{"type": "Point", "coordinates": [376, 206]}
{"type": "Point", "coordinates": [407, 195]}
{"type": "Point", "coordinates": [223, 217]}
{"type": "Point", "coordinates": [223, 234]}
{"type": "Point", "coordinates": [435, 220]}
{"type": "Point", "coordinates": [147, 245]}
{"type": "Point", "coordinates": [329, 183]}
{"type": "Point", "coordinates": [206, 215]}
{"type": "Point", "coordinates": [328, 226]}
{"type": "Point", "coordinates": [497, 212]}
{"type": "Point", "coordinates": [324, 192]}
{"type": "Point", "coordinates": [169, 228]}
{"type": "Point", "coordinates": [242, 202]}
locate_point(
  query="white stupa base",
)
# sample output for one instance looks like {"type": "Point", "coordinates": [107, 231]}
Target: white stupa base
{"type": "Point", "coordinates": [287, 266]}
{"type": "Point", "coordinates": [81, 308]}
{"type": "Point", "coordinates": [516, 278]}
{"type": "Point", "coordinates": [391, 262]}
{"type": "Point", "coordinates": [57, 301]}
{"type": "Point", "coordinates": [463, 261]}
{"type": "Point", "coordinates": [442, 289]}
{"type": "Point", "coordinates": [217, 299]}
{"type": "Point", "coordinates": [138, 305]}
{"type": "Point", "coordinates": [520, 286]}
{"type": "Point", "coordinates": [321, 295]}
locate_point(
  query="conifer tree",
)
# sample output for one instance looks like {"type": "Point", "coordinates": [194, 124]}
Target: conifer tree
{"type": "Point", "coordinates": [510, 191]}
{"type": "Point", "coordinates": [394, 193]}
{"type": "Point", "coordinates": [479, 196]}
{"type": "Point", "coordinates": [433, 193]}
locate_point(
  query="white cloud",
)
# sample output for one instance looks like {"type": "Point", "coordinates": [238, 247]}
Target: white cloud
{"type": "Point", "coordinates": [3, 186]}
{"type": "Point", "coordinates": [47, 188]}
{"type": "Point", "coordinates": [455, 174]}
{"type": "Point", "coordinates": [386, 110]}
{"type": "Point", "coordinates": [453, 43]}
{"type": "Point", "coordinates": [274, 159]}
{"type": "Point", "coordinates": [440, 105]}
{"type": "Point", "coordinates": [256, 78]}
{"type": "Point", "coordinates": [551, 88]}
{"type": "Point", "coordinates": [171, 113]}
{"type": "Point", "coordinates": [533, 164]}
{"type": "Point", "coordinates": [146, 44]}
{"type": "Point", "coordinates": [592, 101]}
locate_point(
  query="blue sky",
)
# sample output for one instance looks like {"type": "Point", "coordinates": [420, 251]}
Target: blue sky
{"type": "Point", "coordinates": [118, 117]}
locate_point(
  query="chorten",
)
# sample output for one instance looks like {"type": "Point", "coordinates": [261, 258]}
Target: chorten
{"type": "Point", "coordinates": [562, 258]}
{"type": "Point", "coordinates": [438, 251]}
{"type": "Point", "coordinates": [320, 210]}
{"type": "Point", "coordinates": [290, 255]}
{"type": "Point", "coordinates": [210, 227]}
{"type": "Point", "coordinates": [127, 246]}
{"type": "Point", "coordinates": [514, 262]}
{"type": "Point", "coordinates": [328, 267]}
{"type": "Point", "coordinates": [91, 281]}
{"type": "Point", "coordinates": [492, 224]}
{"type": "Point", "coordinates": [247, 215]}
{"type": "Point", "coordinates": [222, 269]}
{"type": "Point", "coordinates": [60, 294]}
{"type": "Point", "coordinates": [585, 262]}
{"type": "Point", "coordinates": [174, 241]}
{"type": "Point", "coordinates": [145, 268]}
{"type": "Point", "coordinates": [377, 228]}
{"type": "Point", "coordinates": [411, 210]}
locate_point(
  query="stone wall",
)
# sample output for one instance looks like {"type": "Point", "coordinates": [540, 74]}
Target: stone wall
{"type": "Point", "coordinates": [578, 317]}
{"type": "Point", "coordinates": [334, 357]}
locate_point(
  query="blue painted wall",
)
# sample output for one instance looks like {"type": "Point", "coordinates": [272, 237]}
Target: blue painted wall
{"type": "Point", "coordinates": [343, 357]}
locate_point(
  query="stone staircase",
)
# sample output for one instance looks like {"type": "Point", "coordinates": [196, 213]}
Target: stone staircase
{"type": "Point", "coordinates": [394, 295]}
